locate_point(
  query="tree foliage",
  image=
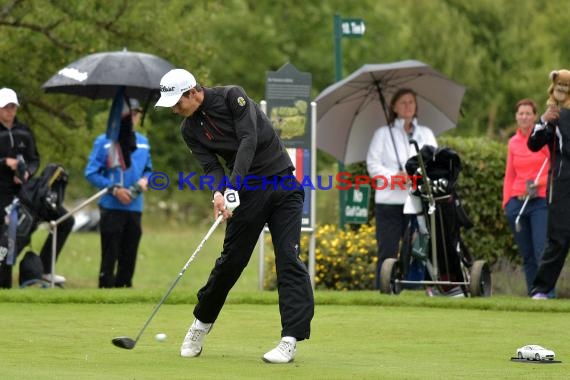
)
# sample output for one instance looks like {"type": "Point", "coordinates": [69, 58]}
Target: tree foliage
{"type": "Point", "coordinates": [500, 50]}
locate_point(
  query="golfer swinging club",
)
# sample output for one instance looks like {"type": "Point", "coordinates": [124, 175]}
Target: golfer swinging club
{"type": "Point", "coordinates": [223, 122]}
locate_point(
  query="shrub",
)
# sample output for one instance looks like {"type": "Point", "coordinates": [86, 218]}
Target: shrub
{"type": "Point", "coordinates": [480, 187]}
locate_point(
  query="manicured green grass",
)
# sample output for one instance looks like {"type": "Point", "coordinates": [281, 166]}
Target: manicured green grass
{"type": "Point", "coordinates": [66, 333]}
{"type": "Point", "coordinates": [73, 341]}
{"type": "Point", "coordinates": [162, 254]}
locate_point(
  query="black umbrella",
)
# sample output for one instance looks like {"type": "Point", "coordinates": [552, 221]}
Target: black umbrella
{"type": "Point", "coordinates": [99, 75]}
{"type": "Point", "coordinates": [117, 75]}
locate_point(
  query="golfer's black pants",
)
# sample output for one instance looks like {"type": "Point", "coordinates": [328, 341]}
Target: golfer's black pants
{"type": "Point", "coordinates": [281, 209]}
{"type": "Point", "coordinates": [391, 223]}
{"type": "Point", "coordinates": [557, 239]}
{"type": "Point", "coordinates": [120, 236]}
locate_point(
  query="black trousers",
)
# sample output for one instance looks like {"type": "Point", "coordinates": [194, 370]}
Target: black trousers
{"type": "Point", "coordinates": [281, 209]}
{"type": "Point", "coordinates": [121, 233]}
{"type": "Point", "coordinates": [5, 270]}
{"type": "Point", "coordinates": [557, 239]}
{"type": "Point", "coordinates": [391, 223]}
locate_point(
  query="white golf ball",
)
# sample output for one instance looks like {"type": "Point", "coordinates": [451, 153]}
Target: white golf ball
{"type": "Point", "coordinates": [160, 337]}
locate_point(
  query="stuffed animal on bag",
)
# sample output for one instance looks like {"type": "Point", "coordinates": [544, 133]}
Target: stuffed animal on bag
{"type": "Point", "coordinates": [559, 89]}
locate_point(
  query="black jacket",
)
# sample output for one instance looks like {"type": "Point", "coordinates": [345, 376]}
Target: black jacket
{"type": "Point", "coordinates": [228, 124]}
{"type": "Point", "coordinates": [557, 136]}
{"type": "Point", "coordinates": [17, 140]}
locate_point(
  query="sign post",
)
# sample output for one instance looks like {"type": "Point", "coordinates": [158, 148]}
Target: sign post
{"type": "Point", "coordinates": [289, 107]}
{"type": "Point", "coordinates": [350, 28]}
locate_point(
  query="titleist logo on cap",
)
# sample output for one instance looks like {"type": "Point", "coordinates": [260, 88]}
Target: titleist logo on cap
{"type": "Point", "coordinates": [167, 89]}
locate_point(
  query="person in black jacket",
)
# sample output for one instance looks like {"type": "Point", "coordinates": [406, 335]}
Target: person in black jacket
{"type": "Point", "coordinates": [554, 129]}
{"type": "Point", "coordinates": [19, 161]}
{"type": "Point", "coordinates": [223, 122]}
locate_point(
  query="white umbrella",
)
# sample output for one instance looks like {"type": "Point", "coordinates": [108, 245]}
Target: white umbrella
{"type": "Point", "coordinates": [350, 111]}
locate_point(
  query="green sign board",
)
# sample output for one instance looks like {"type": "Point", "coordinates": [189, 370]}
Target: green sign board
{"type": "Point", "coordinates": [356, 203]}
{"type": "Point", "coordinates": [352, 27]}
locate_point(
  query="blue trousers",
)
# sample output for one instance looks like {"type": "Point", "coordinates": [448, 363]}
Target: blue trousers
{"type": "Point", "coordinates": [531, 238]}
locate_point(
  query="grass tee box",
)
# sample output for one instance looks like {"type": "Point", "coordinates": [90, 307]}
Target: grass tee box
{"type": "Point", "coordinates": [406, 337]}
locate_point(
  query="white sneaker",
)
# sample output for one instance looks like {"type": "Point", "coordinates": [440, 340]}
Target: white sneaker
{"type": "Point", "coordinates": [283, 353]}
{"type": "Point", "coordinates": [192, 344]}
{"type": "Point", "coordinates": [57, 279]}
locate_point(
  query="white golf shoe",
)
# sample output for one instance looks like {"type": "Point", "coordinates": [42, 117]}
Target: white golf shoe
{"type": "Point", "coordinates": [283, 353]}
{"type": "Point", "coordinates": [192, 344]}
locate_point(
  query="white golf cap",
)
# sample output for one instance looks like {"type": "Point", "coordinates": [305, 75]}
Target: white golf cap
{"type": "Point", "coordinates": [172, 85]}
{"type": "Point", "coordinates": [7, 96]}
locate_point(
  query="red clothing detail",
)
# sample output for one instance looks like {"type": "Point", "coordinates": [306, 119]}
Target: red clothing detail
{"type": "Point", "coordinates": [523, 165]}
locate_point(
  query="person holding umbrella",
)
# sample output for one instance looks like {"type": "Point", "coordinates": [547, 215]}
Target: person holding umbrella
{"type": "Point", "coordinates": [223, 122]}
{"type": "Point", "coordinates": [524, 191]}
{"type": "Point", "coordinates": [386, 158]}
{"type": "Point", "coordinates": [121, 209]}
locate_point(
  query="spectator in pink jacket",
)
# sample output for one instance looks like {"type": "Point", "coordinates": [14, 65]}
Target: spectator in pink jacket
{"type": "Point", "coordinates": [526, 176]}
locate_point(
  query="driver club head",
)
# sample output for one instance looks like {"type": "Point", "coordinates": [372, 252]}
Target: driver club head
{"type": "Point", "coordinates": [124, 342]}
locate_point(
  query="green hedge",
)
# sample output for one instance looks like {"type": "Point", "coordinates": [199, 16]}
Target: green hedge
{"type": "Point", "coordinates": [480, 187]}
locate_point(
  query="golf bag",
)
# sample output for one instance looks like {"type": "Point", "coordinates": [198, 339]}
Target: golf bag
{"type": "Point", "coordinates": [443, 167]}
{"type": "Point", "coordinates": [40, 200]}
{"type": "Point", "coordinates": [45, 194]}
{"type": "Point", "coordinates": [434, 235]}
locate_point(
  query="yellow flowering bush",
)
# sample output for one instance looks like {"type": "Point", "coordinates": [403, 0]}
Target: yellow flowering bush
{"type": "Point", "coordinates": [344, 259]}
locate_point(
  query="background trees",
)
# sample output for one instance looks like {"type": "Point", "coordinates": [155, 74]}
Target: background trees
{"type": "Point", "coordinates": [501, 50]}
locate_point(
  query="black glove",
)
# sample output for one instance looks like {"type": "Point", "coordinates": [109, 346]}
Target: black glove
{"type": "Point", "coordinates": [21, 168]}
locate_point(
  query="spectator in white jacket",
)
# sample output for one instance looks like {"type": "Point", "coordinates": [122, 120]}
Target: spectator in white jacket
{"type": "Point", "coordinates": [386, 159]}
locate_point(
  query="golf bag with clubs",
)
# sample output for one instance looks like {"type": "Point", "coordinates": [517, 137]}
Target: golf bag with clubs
{"type": "Point", "coordinates": [40, 200]}
{"type": "Point", "coordinates": [433, 237]}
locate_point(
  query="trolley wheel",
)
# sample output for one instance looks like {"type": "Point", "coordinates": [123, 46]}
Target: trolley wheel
{"type": "Point", "coordinates": [390, 272]}
{"type": "Point", "coordinates": [480, 281]}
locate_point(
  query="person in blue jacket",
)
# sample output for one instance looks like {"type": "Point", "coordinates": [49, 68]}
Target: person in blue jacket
{"type": "Point", "coordinates": [121, 208]}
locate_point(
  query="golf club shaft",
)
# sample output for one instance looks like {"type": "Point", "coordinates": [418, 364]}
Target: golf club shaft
{"type": "Point", "coordinates": [208, 234]}
{"type": "Point", "coordinates": [527, 198]}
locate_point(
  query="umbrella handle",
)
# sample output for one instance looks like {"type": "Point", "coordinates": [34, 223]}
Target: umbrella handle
{"type": "Point", "coordinates": [395, 149]}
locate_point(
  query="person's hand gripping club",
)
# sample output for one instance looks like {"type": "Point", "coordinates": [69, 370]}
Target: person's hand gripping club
{"type": "Point", "coordinates": [225, 203]}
